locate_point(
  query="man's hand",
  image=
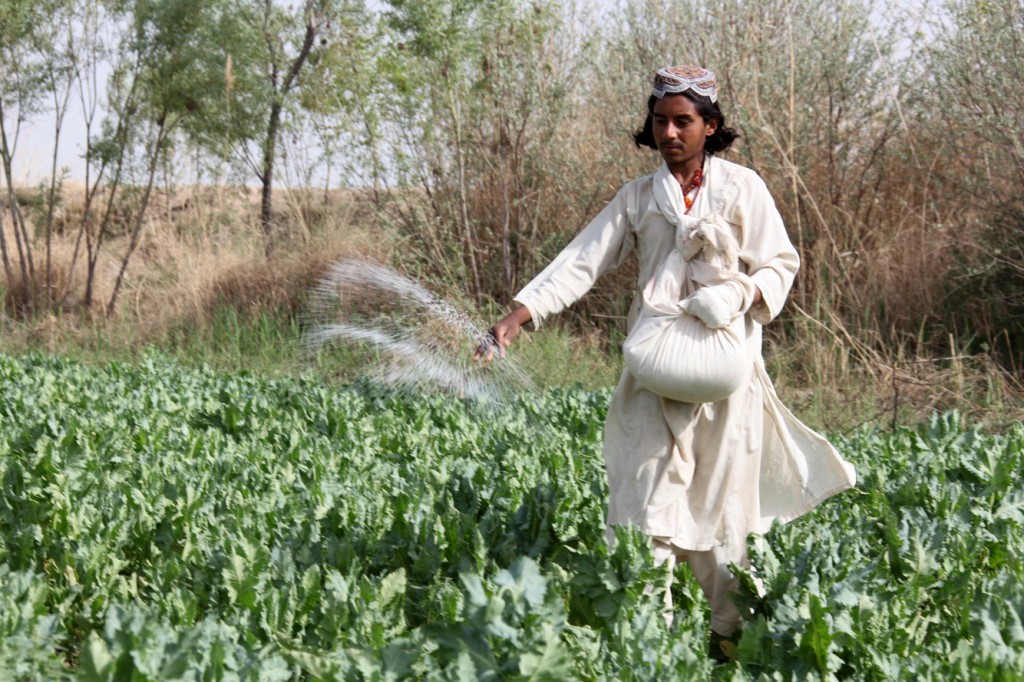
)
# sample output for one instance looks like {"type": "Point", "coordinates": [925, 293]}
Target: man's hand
{"type": "Point", "coordinates": [716, 306]}
{"type": "Point", "coordinates": [501, 335]}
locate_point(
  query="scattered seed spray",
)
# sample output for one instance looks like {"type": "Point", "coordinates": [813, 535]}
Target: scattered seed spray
{"type": "Point", "coordinates": [420, 342]}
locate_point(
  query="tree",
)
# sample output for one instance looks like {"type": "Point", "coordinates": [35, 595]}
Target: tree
{"type": "Point", "coordinates": [168, 71]}
{"type": "Point", "coordinates": [269, 50]}
{"type": "Point", "coordinates": [58, 41]}
{"type": "Point", "coordinates": [21, 91]}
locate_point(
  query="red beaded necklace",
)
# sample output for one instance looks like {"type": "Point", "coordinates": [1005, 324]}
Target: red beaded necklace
{"type": "Point", "coordinates": [693, 186]}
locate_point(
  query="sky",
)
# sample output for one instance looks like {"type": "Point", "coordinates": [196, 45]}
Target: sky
{"type": "Point", "coordinates": [34, 153]}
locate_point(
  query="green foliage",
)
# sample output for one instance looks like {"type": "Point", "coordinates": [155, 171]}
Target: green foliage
{"type": "Point", "coordinates": [911, 576]}
{"type": "Point", "coordinates": [160, 523]}
{"type": "Point", "coordinates": [30, 642]}
{"type": "Point", "coordinates": [23, 51]}
{"type": "Point", "coordinates": [256, 46]}
{"type": "Point", "coordinates": [167, 71]}
{"type": "Point", "coordinates": [182, 71]}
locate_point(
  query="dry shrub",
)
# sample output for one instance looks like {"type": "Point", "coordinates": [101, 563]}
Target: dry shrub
{"type": "Point", "coordinates": [62, 278]}
{"type": "Point", "coordinates": [831, 115]}
{"type": "Point", "coordinates": [277, 284]}
{"type": "Point", "coordinates": [202, 249]}
{"type": "Point", "coordinates": [887, 391]}
{"type": "Point", "coordinates": [239, 276]}
{"type": "Point", "coordinates": [323, 228]}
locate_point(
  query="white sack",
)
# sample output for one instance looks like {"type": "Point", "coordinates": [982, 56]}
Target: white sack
{"type": "Point", "coordinates": [676, 354]}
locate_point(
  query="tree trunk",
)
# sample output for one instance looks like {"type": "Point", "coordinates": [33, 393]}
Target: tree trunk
{"type": "Point", "coordinates": [267, 176]}
{"type": "Point", "coordinates": [3, 252]}
{"type": "Point", "coordinates": [16, 218]}
{"type": "Point", "coordinates": [83, 229]}
{"type": "Point", "coordinates": [60, 109]}
{"type": "Point", "coordinates": [467, 228]}
{"type": "Point", "coordinates": [12, 200]}
{"type": "Point", "coordinates": [274, 124]}
{"type": "Point", "coordinates": [93, 249]}
{"type": "Point", "coordinates": [3, 239]}
{"type": "Point", "coordinates": [154, 162]}
{"type": "Point", "coordinates": [89, 109]}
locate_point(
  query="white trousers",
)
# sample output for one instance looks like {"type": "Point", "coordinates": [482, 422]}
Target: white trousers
{"type": "Point", "coordinates": [711, 569]}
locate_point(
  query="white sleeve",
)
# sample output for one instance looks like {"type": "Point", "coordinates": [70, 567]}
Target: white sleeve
{"type": "Point", "coordinates": [599, 247]}
{"type": "Point", "coordinates": [765, 248]}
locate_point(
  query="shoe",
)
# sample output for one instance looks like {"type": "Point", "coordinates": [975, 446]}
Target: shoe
{"type": "Point", "coordinates": [722, 648]}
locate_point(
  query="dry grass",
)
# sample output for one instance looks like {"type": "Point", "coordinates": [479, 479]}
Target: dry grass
{"type": "Point", "coordinates": [202, 252]}
{"type": "Point", "coordinates": [201, 249]}
{"type": "Point", "coordinates": [838, 382]}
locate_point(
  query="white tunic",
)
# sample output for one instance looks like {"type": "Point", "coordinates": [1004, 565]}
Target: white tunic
{"type": "Point", "coordinates": [704, 474]}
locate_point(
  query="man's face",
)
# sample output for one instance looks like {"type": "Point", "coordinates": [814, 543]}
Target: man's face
{"type": "Point", "coordinates": [679, 131]}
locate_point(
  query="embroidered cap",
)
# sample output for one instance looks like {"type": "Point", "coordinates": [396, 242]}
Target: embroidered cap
{"type": "Point", "coordinates": [673, 79]}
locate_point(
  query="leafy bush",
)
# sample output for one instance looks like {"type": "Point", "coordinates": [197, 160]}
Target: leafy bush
{"type": "Point", "coordinates": [158, 523]}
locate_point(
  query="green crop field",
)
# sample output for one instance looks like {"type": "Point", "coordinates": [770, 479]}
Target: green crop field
{"type": "Point", "coordinates": [163, 523]}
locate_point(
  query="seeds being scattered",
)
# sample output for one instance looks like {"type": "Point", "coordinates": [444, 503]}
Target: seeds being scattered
{"type": "Point", "coordinates": [422, 342]}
